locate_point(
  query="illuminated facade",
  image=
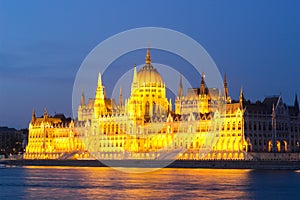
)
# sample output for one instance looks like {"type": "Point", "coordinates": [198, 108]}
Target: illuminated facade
{"type": "Point", "coordinates": [53, 138]}
{"type": "Point", "coordinates": [204, 125]}
{"type": "Point", "coordinates": [272, 126]}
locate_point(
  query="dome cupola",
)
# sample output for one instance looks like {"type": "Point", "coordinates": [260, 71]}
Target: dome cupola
{"type": "Point", "coordinates": [148, 74]}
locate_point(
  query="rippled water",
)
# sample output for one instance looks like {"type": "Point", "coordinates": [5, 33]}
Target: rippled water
{"type": "Point", "coordinates": [106, 183]}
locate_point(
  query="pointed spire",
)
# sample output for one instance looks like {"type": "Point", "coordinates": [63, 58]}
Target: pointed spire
{"type": "Point", "coordinates": [100, 89]}
{"type": "Point", "coordinates": [148, 58]}
{"type": "Point", "coordinates": [274, 135]}
{"type": "Point", "coordinates": [33, 116]}
{"type": "Point", "coordinates": [296, 104]}
{"type": "Point", "coordinates": [225, 87]}
{"type": "Point", "coordinates": [273, 111]}
{"type": "Point", "coordinates": [82, 100]}
{"type": "Point", "coordinates": [99, 80]}
{"type": "Point", "coordinates": [45, 113]}
{"type": "Point", "coordinates": [121, 98]}
{"type": "Point", "coordinates": [180, 88]}
{"type": "Point", "coordinates": [202, 86]}
{"type": "Point", "coordinates": [241, 97]}
{"type": "Point", "coordinates": [134, 74]}
{"type": "Point", "coordinates": [134, 84]}
{"type": "Point", "coordinates": [112, 105]}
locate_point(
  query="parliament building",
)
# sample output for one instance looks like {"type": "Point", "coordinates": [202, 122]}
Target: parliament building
{"type": "Point", "coordinates": [205, 124]}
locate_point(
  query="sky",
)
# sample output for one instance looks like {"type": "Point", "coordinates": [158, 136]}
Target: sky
{"type": "Point", "coordinates": [43, 43]}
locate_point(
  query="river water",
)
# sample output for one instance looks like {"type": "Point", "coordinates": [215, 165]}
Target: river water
{"type": "Point", "coordinates": [107, 183]}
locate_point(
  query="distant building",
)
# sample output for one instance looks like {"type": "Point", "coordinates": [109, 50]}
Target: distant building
{"type": "Point", "coordinates": [272, 126]}
{"type": "Point", "coordinates": [11, 141]}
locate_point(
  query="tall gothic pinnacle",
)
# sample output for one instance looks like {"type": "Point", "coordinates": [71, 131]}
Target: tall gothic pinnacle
{"type": "Point", "coordinates": [241, 95]}
{"type": "Point", "coordinates": [82, 100]}
{"type": "Point", "coordinates": [121, 98]}
{"type": "Point", "coordinates": [99, 80]}
{"type": "Point", "coordinates": [225, 87]}
{"type": "Point", "coordinates": [296, 104]}
{"type": "Point", "coordinates": [202, 85]}
{"type": "Point", "coordinates": [33, 116]}
{"type": "Point", "coordinates": [202, 77]}
{"type": "Point", "coordinates": [45, 113]}
{"type": "Point", "coordinates": [100, 89]}
{"type": "Point", "coordinates": [180, 88]}
{"type": "Point", "coordinates": [148, 58]}
{"type": "Point", "coordinates": [134, 74]}
{"type": "Point", "coordinates": [296, 100]}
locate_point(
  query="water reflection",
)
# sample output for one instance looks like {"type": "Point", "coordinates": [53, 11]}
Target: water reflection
{"type": "Point", "coordinates": [106, 183]}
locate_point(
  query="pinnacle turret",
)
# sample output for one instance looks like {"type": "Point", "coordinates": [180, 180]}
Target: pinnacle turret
{"type": "Point", "coordinates": [82, 99]}
{"type": "Point", "coordinates": [148, 58]}
{"type": "Point", "coordinates": [202, 85]}
{"type": "Point", "coordinates": [180, 88]}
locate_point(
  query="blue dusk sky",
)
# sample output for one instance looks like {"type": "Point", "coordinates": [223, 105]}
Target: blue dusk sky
{"type": "Point", "coordinates": [43, 43]}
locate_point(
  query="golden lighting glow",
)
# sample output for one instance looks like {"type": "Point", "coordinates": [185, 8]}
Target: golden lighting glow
{"type": "Point", "coordinates": [144, 126]}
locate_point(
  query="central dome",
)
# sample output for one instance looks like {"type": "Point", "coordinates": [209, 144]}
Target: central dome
{"type": "Point", "coordinates": [148, 74]}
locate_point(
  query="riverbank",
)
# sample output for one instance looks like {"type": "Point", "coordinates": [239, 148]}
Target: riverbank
{"type": "Point", "coordinates": [215, 164]}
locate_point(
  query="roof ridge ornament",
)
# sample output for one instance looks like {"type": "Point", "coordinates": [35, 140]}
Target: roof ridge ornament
{"type": "Point", "coordinates": [148, 58]}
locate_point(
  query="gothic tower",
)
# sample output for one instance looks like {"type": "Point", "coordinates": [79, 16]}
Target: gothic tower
{"type": "Point", "coordinates": [296, 105]}
{"type": "Point", "coordinates": [148, 92]}
{"type": "Point", "coordinates": [99, 103]}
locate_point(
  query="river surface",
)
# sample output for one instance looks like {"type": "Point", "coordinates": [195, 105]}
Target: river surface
{"type": "Point", "coordinates": [107, 183]}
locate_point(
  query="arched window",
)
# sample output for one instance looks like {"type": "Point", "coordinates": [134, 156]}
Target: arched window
{"type": "Point", "coordinates": [117, 128]}
{"type": "Point", "coordinates": [112, 128]}
{"type": "Point", "coordinates": [108, 128]}
{"type": "Point", "coordinates": [104, 129]}
{"type": "Point", "coordinates": [147, 107]}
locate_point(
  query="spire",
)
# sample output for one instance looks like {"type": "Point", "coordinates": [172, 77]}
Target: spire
{"type": "Point", "coordinates": [241, 97]}
{"type": "Point", "coordinates": [274, 135]}
{"type": "Point", "coordinates": [148, 59]}
{"type": "Point", "coordinates": [99, 103]}
{"type": "Point", "coordinates": [100, 89]}
{"type": "Point", "coordinates": [180, 88]}
{"type": "Point", "coordinates": [273, 115]}
{"type": "Point", "coordinates": [99, 80]}
{"type": "Point", "coordinates": [33, 116]}
{"type": "Point", "coordinates": [225, 87]}
{"type": "Point", "coordinates": [45, 113]}
{"type": "Point", "coordinates": [121, 98]}
{"type": "Point", "coordinates": [82, 100]}
{"type": "Point", "coordinates": [134, 74]}
{"type": "Point", "coordinates": [134, 84]}
{"type": "Point", "coordinates": [296, 104]}
{"type": "Point", "coordinates": [202, 86]}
